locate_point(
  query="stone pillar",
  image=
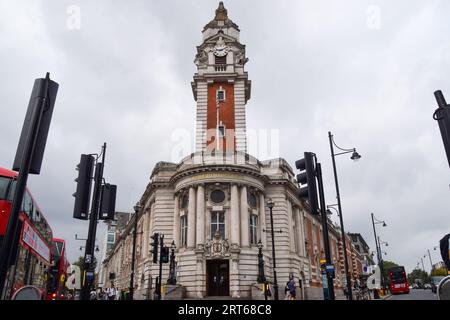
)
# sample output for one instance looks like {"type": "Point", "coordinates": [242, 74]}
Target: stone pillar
{"type": "Point", "coordinates": [234, 219]}
{"type": "Point", "coordinates": [298, 230]}
{"type": "Point", "coordinates": [191, 219]}
{"type": "Point", "coordinates": [176, 221]}
{"type": "Point", "coordinates": [262, 220]}
{"type": "Point", "coordinates": [290, 226]}
{"type": "Point", "coordinates": [200, 215]}
{"type": "Point", "coordinates": [245, 241]}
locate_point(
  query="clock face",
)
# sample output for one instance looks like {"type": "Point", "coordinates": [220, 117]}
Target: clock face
{"type": "Point", "coordinates": [221, 50]}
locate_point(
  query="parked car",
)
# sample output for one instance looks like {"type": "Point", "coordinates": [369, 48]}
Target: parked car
{"type": "Point", "coordinates": [435, 282]}
{"type": "Point", "coordinates": [427, 286]}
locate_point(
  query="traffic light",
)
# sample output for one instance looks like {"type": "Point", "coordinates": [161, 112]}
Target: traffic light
{"type": "Point", "coordinates": [44, 91]}
{"type": "Point", "coordinates": [108, 206]}
{"type": "Point", "coordinates": [83, 193]}
{"type": "Point", "coordinates": [165, 254]}
{"type": "Point", "coordinates": [442, 116]}
{"type": "Point", "coordinates": [308, 177]}
{"type": "Point", "coordinates": [155, 243]}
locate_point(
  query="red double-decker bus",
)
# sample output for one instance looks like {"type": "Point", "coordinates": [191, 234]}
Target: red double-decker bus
{"type": "Point", "coordinates": [56, 285]}
{"type": "Point", "coordinates": [398, 280]}
{"type": "Point", "coordinates": [31, 255]}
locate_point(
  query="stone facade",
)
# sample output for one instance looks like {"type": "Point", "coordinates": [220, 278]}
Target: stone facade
{"type": "Point", "coordinates": [213, 204]}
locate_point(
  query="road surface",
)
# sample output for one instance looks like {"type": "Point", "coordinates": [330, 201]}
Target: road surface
{"type": "Point", "coordinates": [416, 294]}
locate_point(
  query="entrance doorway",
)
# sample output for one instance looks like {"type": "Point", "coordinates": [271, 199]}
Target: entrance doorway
{"type": "Point", "coordinates": [218, 277]}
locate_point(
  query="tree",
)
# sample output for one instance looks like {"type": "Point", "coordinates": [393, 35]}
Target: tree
{"type": "Point", "coordinates": [418, 276]}
{"type": "Point", "coordinates": [439, 272]}
{"type": "Point", "coordinates": [80, 263]}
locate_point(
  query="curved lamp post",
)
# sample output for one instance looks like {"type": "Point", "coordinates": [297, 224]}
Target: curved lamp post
{"type": "Point", "coordinates": [355, 156]}
{"type": "Point", "coordinates": [377, 245]}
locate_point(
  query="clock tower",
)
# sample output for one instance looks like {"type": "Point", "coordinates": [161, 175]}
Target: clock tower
{"type": "Point", "coordinates": [221, 87]}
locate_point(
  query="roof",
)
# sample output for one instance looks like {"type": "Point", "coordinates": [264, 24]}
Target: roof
{"type": "Point", "coordinates": [221, 15]}
{"type": "Point", "coordinates": [8, 173]}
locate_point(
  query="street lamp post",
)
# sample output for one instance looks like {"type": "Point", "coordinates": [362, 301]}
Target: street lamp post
{"type": "Point", "coordinates": [355, 156]}
{"type": "Point", "coordinates": [261, 277]}
{"type": "Point", "coordinates": [271, 204]}
{"type": "Point", "coordinates": [377, 245]}
{"type": "Point", "coordinates": [137, 207]}
{"type": "Point", "coordinates": [172, 278]}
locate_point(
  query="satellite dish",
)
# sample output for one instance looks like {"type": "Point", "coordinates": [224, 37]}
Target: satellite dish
{"type": "Point", "coordinates": [28, 293]}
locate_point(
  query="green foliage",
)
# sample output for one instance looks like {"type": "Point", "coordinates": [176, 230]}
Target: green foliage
{"type": "Point", "coordinates": [439, 272]}
{"type": "Point", "coordinates": [80, 263]}
{"type": "Point", "coordinates": [418, 276]}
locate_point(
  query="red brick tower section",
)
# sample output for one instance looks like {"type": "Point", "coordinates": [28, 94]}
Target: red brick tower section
{"type": "Point", "coordinates": [221, 118]}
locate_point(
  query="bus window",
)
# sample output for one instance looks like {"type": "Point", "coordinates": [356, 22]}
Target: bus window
{"type": "Point", "coordinates": [4, 184]}
{"type": "Point", "coordinates": [27, 205]}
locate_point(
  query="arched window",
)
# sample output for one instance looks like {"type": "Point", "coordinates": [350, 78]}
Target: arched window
{"type": "Point", "coordinates": [184, 229]}
{"type": "Point", "coordinates": [253, 229]}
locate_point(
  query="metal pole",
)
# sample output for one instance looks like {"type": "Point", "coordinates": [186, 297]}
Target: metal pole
{"type": "Point", "coordinates": [338, 197]}
{"type": "Point", "coordinates": [161, 240]}
{"type": "Point", "coordinates": [275, 283]}
{"type": "Point", "coordinates": [423, 267]}
{"type": "Point", "coordinates": [13, 220]}
{"type": "Point", "coordinates": [90, 242]}
{"type": "Point", "coordinates": [326, 240]}
{"type": "Point", "coordinates": [378, 251]}
{"type": "Point", "coordinates": [382, 266]}
{"type": "Point", "coordinates": [133, 256]}
{"type": "Point", "coordinates": [431, 262]}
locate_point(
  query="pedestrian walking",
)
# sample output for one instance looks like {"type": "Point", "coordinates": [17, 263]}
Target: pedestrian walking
{"type": "Point", "coordinates": [291, 288]}
{"type": "Point", "coordinates": [93, 294]}
{"type": "Point", "coordinates": [111, 292]}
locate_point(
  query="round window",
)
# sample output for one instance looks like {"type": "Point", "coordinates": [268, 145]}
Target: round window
{"type": "Point", "coordinates": [217, 196]}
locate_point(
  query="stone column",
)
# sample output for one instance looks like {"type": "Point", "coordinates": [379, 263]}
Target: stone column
{"type": "Point", "coordinates": [262, 220]}
{"type": "Point", "coordinates": [244, 218]}
{"type": "Point", "coordinates": [191, 219]}
{"type": "Point", "coordinates": [298, 230]}
{"type": "Point", "coordinates": [290, 226]}
{"type": "Point", "coordinates": [200, 214]}
{"type": "Point", "coordinates": [176, 221]}
{"type": "Point", "coordinates": [234, 219]}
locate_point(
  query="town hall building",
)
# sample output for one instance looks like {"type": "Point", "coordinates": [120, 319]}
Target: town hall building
{"type": "Point", "coordinates": [213, 204]}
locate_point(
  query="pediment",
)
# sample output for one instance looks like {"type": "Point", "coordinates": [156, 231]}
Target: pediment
{"type": "Point", "coordinates": [225, 37]}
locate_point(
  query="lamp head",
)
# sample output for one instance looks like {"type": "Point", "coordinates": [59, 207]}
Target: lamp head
{"type": "Point", "coordinates": [270, 203]}
{"type": "Point", "coordinates": [355, 155]}
{"type": "Point", "coordinates": [384, 224]}
{"type": "Point", "coordinates": [173, 246]}
{"type": "Point", "coordinates": [260, 244]}
{"type": "Point", "coordinates": [329, 212]}
{"type": "Point", "coordinates": [137, 206]}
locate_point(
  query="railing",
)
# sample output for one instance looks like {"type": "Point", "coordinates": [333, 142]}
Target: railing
{"type": "Point", "coordinates": [222, 67]}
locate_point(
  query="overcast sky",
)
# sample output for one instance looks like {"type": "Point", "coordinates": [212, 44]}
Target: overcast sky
{"type": "Point", "coordinates": [365, 70]}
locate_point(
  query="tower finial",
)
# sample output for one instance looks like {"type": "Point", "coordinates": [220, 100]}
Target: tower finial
{"type": "Point", "coordinates": [221, 12]}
